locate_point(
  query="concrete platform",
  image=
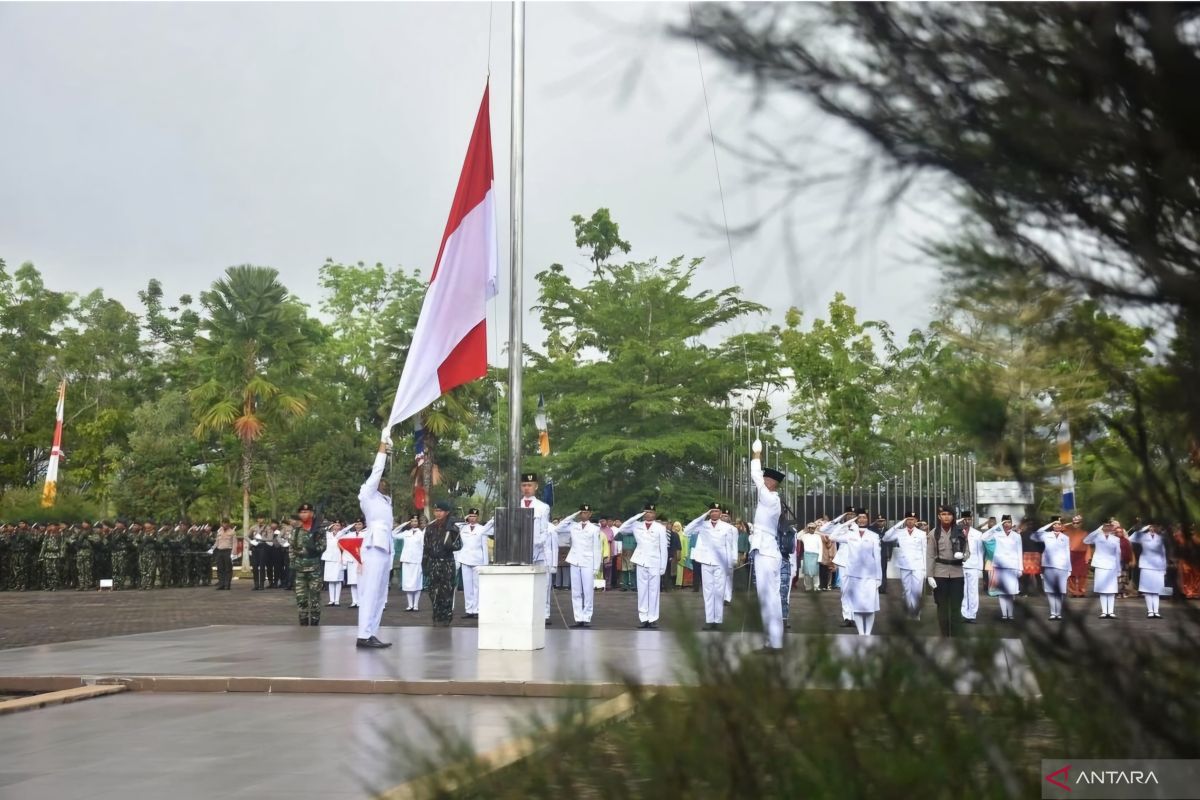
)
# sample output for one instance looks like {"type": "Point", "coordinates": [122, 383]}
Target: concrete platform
{"type": "Point", "coordinates": [442, 661]}
{"type": "Point", "coordinates": [266, 747]}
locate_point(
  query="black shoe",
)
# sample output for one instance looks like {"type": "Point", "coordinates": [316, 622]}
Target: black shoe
{"type": "Point", "coordinates": [577, 624]}
{"type": "Point", "coordinates": [549, 623]}
{"type": "Point", "coordinates": [314, 624]}
{"type": "Point", "coordinates": [304, 622]}
{"type": "Point", "coordinates": [586, 624]}
{"type": "Point", "coordinates": [768, 651]}
{"type": "Point", "coordinates": [371, 643]}
{"type": "Point", "coordinates": [969, 621]}
{"type": "Point", "coordinates": [847, 623]}
{"type": "Point", "coordinates": [644, 625]}
{"type": "Point", "coordinates": [354, 605]}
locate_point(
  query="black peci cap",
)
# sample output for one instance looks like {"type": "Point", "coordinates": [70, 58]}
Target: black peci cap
{"type": "Point", "coordinates": [304, 507]}
{"type": "Point", "coordinates": [529, 477]}
{"type": "Point", "coordinates": [773, 473]}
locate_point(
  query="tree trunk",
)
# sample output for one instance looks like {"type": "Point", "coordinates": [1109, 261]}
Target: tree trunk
{"type": "Point", "coordinates": [245, 507]}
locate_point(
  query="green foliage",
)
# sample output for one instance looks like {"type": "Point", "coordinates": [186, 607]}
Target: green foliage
{"type": "Point", "coordinates": [70, 506]}
{"type": "Point", "coordinates": [159, 473]}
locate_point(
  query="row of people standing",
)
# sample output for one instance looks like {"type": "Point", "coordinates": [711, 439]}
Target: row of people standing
{"type": "Point", "coordinates": [135, 555]}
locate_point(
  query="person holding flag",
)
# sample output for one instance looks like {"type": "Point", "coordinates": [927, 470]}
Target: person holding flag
{"type": "Point", "coordinates": [764, 548]}
{"type": "Point", "coordinates": [376, 553]}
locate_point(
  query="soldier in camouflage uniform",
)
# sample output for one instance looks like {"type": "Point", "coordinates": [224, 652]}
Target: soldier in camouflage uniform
{"type": "Point", "coordinates": [207, 540]}
{"type": "Point", "coordinates": [20, 543]}
{"type": "Point", "coordinates": [33, 560]}
{"type": "Point", "coordinates": [308, 543]}
{"type": "Point", "coordinates": [6, 531]}
{"type": "Point", "coordinates": [172, 537]}
{"type": "Point", "coordinates": [51, 555]}
{"type": "Point", "coordinates": [86, 544]}
{"type": "Point", "coordinates": [123, 555]}
{"type": "Point", "coordinates": [147, 548]}
{"type": "Point", "coordinates": [67, 578]}
{"type": "Point", "coordinates": [442, 541]}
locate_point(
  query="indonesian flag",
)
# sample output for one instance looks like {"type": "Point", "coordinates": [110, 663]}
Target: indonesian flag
{"type": "Point", "coordinates": [449, 346]}
{"type": "Point", "coordinates": [353, 546]}
{"type": "Point", "coordinates": [50, 490]}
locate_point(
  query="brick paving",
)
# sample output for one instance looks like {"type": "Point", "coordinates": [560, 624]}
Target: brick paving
{"type": "Point", "coordinates": [31, 618]}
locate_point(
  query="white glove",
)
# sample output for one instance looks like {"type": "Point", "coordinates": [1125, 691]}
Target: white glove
{"type": "Point", "coordinates": [386, 437]}
{"type": "Point", "coordinates": [756, 447]}
{"type": "Point", "coordinates": [959, 556]}
{"type": "Point", "coordinates": [932, 583]}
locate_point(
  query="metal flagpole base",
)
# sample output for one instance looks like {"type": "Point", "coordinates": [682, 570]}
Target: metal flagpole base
{"type": "Point", "coordinates": [512, 607]}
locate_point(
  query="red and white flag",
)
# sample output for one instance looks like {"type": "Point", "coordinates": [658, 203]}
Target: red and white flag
{"type": "Point", "coordinates": [50, 490]}
{"type": "Point", "coordinates": [449, 346]}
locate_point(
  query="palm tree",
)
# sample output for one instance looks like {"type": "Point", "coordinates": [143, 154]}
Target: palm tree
{"type": "Point", "coordinates": [254, 347]}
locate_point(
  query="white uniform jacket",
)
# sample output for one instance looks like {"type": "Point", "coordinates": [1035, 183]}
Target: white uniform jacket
{"type": "Point", "coordinates": [1008, 548]}
{"type": "Point", "coordinates": [376, 508]}
{"type": "Point", "coordinates": [910, 547]}
{"type": "Point", "coordinates": [1057, 554]}
{"type": "Point", "coordinates": [652, 540]}
{"type": "Point", "coordinates": [587, 543]}
{"type": "Point", "coordinates": [716, 543]}
{"type": "Point", "coordinates": [1107, 552]}
{"type": "Point", "coordinates": [764, 534]}
{"type": "Point", "coordinates": [474, 552]}
{"type": "Point", "coordinates": [1154, 549]}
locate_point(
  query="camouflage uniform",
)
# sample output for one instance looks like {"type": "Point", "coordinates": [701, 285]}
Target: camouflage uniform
{"type": "Point", "coordinates": [5, 546]}
{"type": "Point", "coordinates": [206, 540]}
{"type": "Point", "coordinates": [51, 553]}
{"type": "Point", "coordinates": [19, 545]}
{"type": "Point", "coordinates": [442, 539]}
{"type": "Point", "coordinates": [122, 557]}
{"type": "Point", "coordinates": [307, 570]}
{"type": "Point", "coordinates": [86, 543]}
{"type": "Point", "coordinates": [148, 545]}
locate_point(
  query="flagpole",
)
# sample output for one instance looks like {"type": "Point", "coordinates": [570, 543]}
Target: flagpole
{"type": "Point", "coordinates": [516, 253]}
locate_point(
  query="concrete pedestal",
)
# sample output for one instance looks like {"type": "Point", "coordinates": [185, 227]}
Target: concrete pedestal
{"type": "Point", "coordinates": [512, 607]}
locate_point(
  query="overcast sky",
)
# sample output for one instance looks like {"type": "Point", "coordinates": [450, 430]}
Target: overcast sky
{"type": "Point", "coordinates": [173, 140]}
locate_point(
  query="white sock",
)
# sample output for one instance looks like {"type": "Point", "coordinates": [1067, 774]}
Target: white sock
{"type": "Point", "coordinates": [1152, 603]}
{"type": "Point", "coordinates": [1055, 604]}
{"type": "Point", "coordinates": [860, 623]}
{"type": "Point", "coordinates": [1006, 605]}
{"type": "Point", "coordinates": [869, 620]}
{"type": "Point", "coordinates": [335, 592]}
{"type": "Point", "coordinates": [1107, 601]}
{"type": "Point", "coordinates": [416, 599]}
{"type": "Point", "coordinates": [354, 593]}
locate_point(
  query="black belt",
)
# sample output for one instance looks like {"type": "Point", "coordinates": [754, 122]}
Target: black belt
{"type": "Point", "coordinates": [950, 562]}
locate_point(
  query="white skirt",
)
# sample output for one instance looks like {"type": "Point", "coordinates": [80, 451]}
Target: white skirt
{"type": "Point", "coordinates": [862, 595]}
{"type": "Point", "coordinates": [411, 578]}
{"type": "Point", "coordinates": [1150, 581]}
{"type": "Point", "coordinates": [1055, 580]}
{"type": "Point", "coordinates": [333, 571]}
{"type": "Point", "coordinates": [1105, 581]}
{"type": "Point", "coordinates": [352, 571]}
{"type": "Point", "coordinates": [1007, 580]}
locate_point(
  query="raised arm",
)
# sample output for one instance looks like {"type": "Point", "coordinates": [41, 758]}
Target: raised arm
{"type": "Point", "coordinates": [489, 528]}
{"type": "Point", "coordinates": [893, 533]}
{"type": "Point", "coordinates": [992, 532]}
{"type": "Point", "coordinates": [371, 484]}
{"type": "Point", "coordinates": [564, 526]}
{"type": "Point", "coordinates": [1094, 536]}
{"type": "Point", "coordinates": [627, 525]}
{"type": "Point", "coordinates": [694, 524]}
{"type": "Point", "coordinates": [662, 549]}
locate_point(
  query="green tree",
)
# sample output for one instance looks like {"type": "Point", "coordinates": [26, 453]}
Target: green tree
{"type": "Point", "coordinates": [159, 473]}
{"type": "Point", "coordinates": [254, 348]}
{"type": "Point", "coordinates": [639, 381]}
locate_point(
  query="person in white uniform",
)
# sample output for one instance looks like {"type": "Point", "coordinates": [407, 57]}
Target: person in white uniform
{"type": "Point", "coordinates": [649, 560]}
{"type": "Point", "coordinates": [1056, 563]}
{"type": "Point", "coordinates": [331, 564]}
{"type": "Point", "coordinates": [840, 562]}
{"type": "Point", "coordinates": [351, 565]}
{"type": "Point", "coordinates": [764, 548]}
{"type": "Point", "coordinates": [412, 552]}
{"type": "Point", "coordinates": [545, 544]}
{"type": "Point", "coordinates": [910, 560]}
{"type": "Point", "coordinates": [1152, 565]}
{"type": "Point", "coordinates": [972, 573]}
{"type": "Point", "coordinates": [1106, 564]}
{"type": "Point", "coordinates": [864, 568]}
{"type": "Point", "coordinates": [1007, 563]}
{"type": "Point", "coordinates": [716, 553]}
{"type": "Point", "coordinates": [376, 505]}
{"type": "Point", "coordinates": [585, 559]}
{"type": "Point", "coordinates": [472, 556]}
{"type": "Point", "coordinates": [727, 518]}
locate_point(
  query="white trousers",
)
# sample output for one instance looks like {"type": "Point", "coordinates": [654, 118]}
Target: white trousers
{"type": "Point", "coordinates": [372, 590]}
{"type": "Point", "coordinates": [470, 589]}
{"type": "Point", "coordinates": [913, 583]}
{"type": "Point", "coordinates": [712, 585]}
{"type": "Point", "coordinates": [847, 613]}
{"type": "Point", "coordinates": [729, 586]}
{"type": "Point", "coordinates": [766, 579]}
{"type": "Point", "coordinates": [549, 583]}
{"type": "Point", "coordinates": [648, 593]}
{"type": "Point", "coordinates": [970, 603]}
{"type": "Point", "coordinates": [582, 592]}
